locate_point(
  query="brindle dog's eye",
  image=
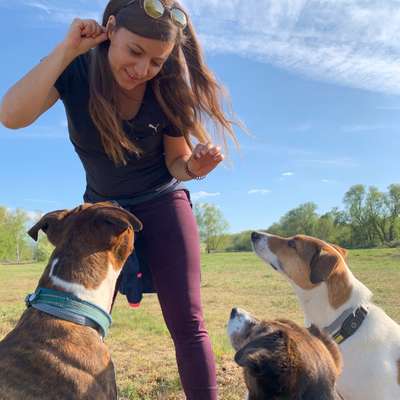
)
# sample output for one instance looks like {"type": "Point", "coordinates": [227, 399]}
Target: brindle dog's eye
{"type": "Point", "coordinates": [291, 243]}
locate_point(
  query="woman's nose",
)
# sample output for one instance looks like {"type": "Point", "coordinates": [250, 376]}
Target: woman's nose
{"type": "Point", "coordinates": [141, 70]}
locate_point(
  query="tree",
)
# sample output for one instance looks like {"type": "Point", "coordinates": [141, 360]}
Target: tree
{"type": "Point", "coordinates": [17, 228]}
{"type": "Point", "coordinates": [13, 238]}
{"type": "Point", "coordinates": [354, 200]}
{"type": "Point", "coordinates": [377, 214]}
{"type": "Point", "coordinates": [212, 224]}
{"type": "Point", "coordinates": [240, 242]}
{"type": "Point", "coordinates": [392, 201]}
{"type": "Point", "coordinates": [300, 220]}
{"type": "Point", "coordinates": [373, 215]}
{"type": "Point", "coordinates": [43, 249]}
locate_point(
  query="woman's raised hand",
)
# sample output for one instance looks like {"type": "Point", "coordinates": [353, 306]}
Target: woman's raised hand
{"type": "Point", "coordinates": [83, 35]}
{"type": "Point", "coordinates": [205, 157]}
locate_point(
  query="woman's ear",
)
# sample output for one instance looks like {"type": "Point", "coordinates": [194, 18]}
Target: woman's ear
{"type": "Point", "coordinates": [110, 26]}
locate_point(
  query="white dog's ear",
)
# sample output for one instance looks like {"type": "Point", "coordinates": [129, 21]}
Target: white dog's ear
{"type": "Point", "coordinates": [322, 264]}
{"type": "Point", "coordinates": [341, 250]}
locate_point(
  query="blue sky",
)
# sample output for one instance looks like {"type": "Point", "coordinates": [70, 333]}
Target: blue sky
{"type": "Point", "coordinates": [316, 82]}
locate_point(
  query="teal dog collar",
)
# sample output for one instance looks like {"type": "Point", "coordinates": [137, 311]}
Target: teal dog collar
{"type": "Point", "coordinates": [68, 307]}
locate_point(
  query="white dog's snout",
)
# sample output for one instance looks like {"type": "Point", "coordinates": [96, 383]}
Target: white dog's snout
{"type": "Point", "coordinates": [260, 244]}
{"type": "Point", "coordinates": [259, 240]}
{"type": "Point", "coordinates": [257, 236]}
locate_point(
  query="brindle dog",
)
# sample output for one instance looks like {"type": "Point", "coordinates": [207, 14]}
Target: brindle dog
{"type": "Point", "coordinates": [48, 358]}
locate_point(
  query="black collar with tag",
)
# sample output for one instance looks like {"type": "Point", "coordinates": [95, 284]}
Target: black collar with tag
{"type": "Point", "coordinates": [349, 326]}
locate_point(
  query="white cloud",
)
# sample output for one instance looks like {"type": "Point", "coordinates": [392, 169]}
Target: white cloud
{"type": "Point", "coordinates": [328, 181]}
{"type": "Point", "coordinates": [57, 11]}
{"type": "Point", "coordinates": [301, 128]}
{"type": "Point", "coordinates": [202, 195]}
{"type": "Point", "coordinates": [388, 108]}
{"type": "Point", "coordinates": [353, 43]}
{"type": "Point", "coordinates": [364, 128]}
{"type": "Point", "coordinates": [40, 6]}
{"type": "Point", "coordinates": [288, 174]}
{"type": "Point", "coordinates": [259, 191]}
{"type": "Point", "coordinates": [336, 162]}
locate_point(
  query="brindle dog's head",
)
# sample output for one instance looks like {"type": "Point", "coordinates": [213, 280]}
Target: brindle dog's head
{"type": "Point", "coordinates": [90, 240]}
{"type": "Point", "coordinates": [282, 361]}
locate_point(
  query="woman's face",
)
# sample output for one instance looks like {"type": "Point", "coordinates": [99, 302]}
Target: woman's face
{"type": "Point", "coordinates": [135, 59]}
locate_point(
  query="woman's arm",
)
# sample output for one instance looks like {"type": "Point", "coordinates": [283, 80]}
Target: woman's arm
{"type": "Point", "coordinates": [35, 92]}
{"type": "Point", "coordinates": [184, 164]}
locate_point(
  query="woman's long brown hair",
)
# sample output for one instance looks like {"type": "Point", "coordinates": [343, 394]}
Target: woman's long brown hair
{"type": "Point", "coordinates": [186, 89]}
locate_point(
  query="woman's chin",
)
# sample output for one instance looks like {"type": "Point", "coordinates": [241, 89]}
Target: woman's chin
{"type": "Point", "coordinates": [128, 85]}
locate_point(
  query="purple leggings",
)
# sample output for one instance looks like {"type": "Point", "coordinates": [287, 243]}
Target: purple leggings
{"type": "Point", "coordinates": [172, 250]}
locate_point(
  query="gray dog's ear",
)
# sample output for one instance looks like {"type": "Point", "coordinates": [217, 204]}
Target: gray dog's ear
{"type": "Point", "coordinates": [50, 225]}
{"type": "Point", "coordinates": [260, 355]}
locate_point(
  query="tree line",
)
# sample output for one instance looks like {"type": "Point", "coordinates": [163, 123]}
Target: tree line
{"type": "Point", "coordinates": [15, 244]}
{"type": "Point", "coordinates": [369, 218]}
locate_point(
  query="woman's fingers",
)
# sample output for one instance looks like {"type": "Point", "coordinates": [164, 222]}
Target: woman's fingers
{"type": "Point", "coordinates": [83, 35]}
{"type": "Point", "coordinates": [205, 157]}
{"type": "Point", "coordinates": [91, 29]}
{"type": "Point", "coordinates": [207, 150]}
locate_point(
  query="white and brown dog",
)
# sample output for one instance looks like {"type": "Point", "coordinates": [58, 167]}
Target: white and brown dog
{"type": "Point", "coordinates": [56, 351]}
{"type": "Point", "coordinates": [282, 361]}
{"type": "Point", "coordinates": [335, 301]}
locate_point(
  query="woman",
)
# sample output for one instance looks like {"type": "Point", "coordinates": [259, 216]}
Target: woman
{"type": "Point", "coordinates": [136, 90]}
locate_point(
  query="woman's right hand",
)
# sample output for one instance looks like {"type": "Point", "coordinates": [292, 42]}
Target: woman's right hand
{"type": "Point", "coordinates": [83, 35]}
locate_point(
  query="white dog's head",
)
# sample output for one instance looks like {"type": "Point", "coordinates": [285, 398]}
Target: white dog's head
{"type": "Point", "coordinates": [305, 260]}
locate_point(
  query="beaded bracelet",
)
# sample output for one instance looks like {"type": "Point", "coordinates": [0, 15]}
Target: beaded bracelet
{"type": "Point", "coordinates": [191, 174]}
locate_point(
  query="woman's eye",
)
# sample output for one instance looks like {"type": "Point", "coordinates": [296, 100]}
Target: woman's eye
{"type": "Point", "coordinates": [156, 64]}
{"type": "Point", "coordinates": [291, 243]}
{"type": "Point", "coordinates": [134, 52]}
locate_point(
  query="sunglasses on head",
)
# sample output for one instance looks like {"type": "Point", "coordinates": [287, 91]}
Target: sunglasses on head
{"type": "Point", "coordinates": [156, 9]}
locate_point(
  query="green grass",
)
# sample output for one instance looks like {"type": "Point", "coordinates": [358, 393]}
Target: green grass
{"type": "Point", "coordinates": [139, 341]}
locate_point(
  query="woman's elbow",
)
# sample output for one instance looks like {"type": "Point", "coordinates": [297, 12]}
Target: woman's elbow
{"type": "Point", "coordinates": [8, 123]}
{"type": "Point", "coordinates": [9, 120]}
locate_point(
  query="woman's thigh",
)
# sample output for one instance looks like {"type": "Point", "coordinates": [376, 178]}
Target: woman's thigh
{"type": "Point", "coordinates": [172, 248]}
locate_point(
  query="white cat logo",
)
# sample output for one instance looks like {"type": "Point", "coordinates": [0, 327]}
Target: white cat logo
{"type": "Point", "coordinates": [155, 127]}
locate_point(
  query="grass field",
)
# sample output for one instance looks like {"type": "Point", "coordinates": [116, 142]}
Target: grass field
{"type": "Point", "coordinates": [139, 342]}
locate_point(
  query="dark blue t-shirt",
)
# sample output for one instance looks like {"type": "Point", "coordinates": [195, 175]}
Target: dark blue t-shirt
{"type": "Point", "coordinates": [143, 177]}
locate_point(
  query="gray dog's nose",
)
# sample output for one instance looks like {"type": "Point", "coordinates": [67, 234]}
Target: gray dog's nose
{"type": "Point", "coordinates": [255, 236]}
{"type": "Point", "coordinates": [233, 313]}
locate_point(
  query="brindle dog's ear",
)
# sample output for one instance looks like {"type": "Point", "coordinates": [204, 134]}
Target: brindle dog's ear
{"type": "Point", "coordinates": [135, 222]}
{"type": "Point", "coordinates": [121, 219]}
{"type": "Point", "coordinates": [322, 264]}
{"type": "Point", "coordinates": [50, 225]}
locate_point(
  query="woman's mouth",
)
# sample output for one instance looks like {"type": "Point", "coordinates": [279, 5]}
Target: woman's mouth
{"type": "Point", "coordinates": [130, 76]}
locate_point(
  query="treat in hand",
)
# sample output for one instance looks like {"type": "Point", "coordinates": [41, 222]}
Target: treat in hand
{"type": "Point", "coordinates": [205, 157]}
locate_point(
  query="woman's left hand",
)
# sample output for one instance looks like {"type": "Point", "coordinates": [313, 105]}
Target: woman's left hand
{"type": "Point", "coordinates": [204, 158]}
